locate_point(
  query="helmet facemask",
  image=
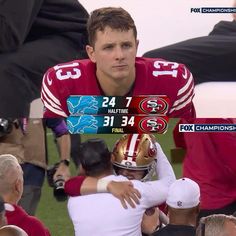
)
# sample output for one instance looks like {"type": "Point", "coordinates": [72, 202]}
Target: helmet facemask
{"type": "Point", "coordinates": [136, 152]}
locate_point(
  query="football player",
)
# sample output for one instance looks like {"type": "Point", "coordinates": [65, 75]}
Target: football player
{"type": "Point", "coordinates": [114, 70]}
{"type": "Point", "coordinates": [136, 156]}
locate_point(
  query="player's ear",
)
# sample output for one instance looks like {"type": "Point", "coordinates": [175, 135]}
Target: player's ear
{"type": "Point", "coordinates": [18, 187]}
{"type": "Point", "coordinates": [90, 52]}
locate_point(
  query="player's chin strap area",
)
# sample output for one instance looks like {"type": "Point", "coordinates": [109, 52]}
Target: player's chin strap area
{"type": "Point", "coordinates": [149, 171]}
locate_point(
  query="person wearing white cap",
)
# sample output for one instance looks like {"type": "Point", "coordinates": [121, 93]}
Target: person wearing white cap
{"type": "Point", "coordinates": [183, 201]}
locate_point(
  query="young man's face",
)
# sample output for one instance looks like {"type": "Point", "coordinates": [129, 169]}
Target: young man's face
{"type": "Point", "coordinates": [114, 53]}
{"type": "Point", "coordinates": [131, 174]}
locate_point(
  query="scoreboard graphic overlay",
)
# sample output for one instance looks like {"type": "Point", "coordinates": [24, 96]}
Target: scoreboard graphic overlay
{"type": "Point", "coordinates": [110, 114]}
{"type": "Point", "coordinates": [93, 105]}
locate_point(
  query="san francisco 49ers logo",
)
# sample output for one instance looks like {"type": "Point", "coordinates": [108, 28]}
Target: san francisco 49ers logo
{"type": "Point", "coordinates": [154, 105]}
{"type": "Point", "coordinates": [154, 124]}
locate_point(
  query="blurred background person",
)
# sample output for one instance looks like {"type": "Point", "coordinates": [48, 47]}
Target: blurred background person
{"type": "Point", "coordinates": [210, 161]}
{"type": "Point", "coordinates": [12, 230]}
{"type": "Point", "coordinates": [35, 36]}
{"type": "Point", "coordinates": [26, 139]}
{"type": "Point", "coordinates": [209, 58]}
{"type": "Point", "coordinates": [11, 189]}
{"type": "Point", "coordinates": [217, 225]}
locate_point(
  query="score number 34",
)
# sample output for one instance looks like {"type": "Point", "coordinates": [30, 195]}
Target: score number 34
{"type": "Point", "coordinates": [125, 121]}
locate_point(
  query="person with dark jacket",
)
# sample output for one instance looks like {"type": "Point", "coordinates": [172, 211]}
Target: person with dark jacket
{"type": "Point", "coordinates": [209, 58]}
{"type": "Point", "coordinates": [183, 201]}
{"type": "Point", "coordinates": [35, 35]}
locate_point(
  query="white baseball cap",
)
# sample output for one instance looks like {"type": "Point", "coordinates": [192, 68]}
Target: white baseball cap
{"type": "Point", "coordinates": [183, 194]}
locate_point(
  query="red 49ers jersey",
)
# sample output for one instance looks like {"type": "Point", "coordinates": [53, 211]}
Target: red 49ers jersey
{"type": "Point", "coordinates": [154, 76]}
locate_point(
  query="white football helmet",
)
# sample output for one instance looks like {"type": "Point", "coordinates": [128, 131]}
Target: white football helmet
{"type": "Point", "coordinates": [136, 152]}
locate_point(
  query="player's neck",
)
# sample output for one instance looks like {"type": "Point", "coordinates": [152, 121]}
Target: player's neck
{"type": "Point", "coordinates": [115, 87]}
{"type": "Point", "coordinates": [10, 198]}
{"type": "Point", "coordinates": [182, 220]}
{"type": "Point", "coordinates": [104, 174]}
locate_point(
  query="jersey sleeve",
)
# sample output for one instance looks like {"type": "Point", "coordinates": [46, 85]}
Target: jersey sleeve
{"type": "Point", "coordinates": [73, 185]}
{"type": "Point", "coordinates": [182, 104]}
{"type": "Point", "coordinates": [164, 169]}
{"type": "Point", "coordinates": [153, 193]}
{"type": "Point", "coordinates": [57, 125]}
{"type": "Point", "coordinates": [52, 97]}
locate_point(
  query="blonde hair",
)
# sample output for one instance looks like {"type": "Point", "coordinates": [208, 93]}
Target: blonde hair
{"type": "Point", "coordinates": [213, 225]}
{"type": "Point", "coordinates": [12, 230]}
{"type": "Point", "coordinates": [9, 167]}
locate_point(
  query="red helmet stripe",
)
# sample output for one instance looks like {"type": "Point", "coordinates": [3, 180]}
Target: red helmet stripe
{"type": "Point", "coordinates": [127, 147]}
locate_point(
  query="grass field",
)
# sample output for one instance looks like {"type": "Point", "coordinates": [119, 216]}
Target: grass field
{"type": "Point", "coordinates": [54, 214]}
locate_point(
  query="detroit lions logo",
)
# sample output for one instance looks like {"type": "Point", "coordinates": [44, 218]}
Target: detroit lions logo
{"type": "Point", "coordinates": [82, 105]}
{"type": "Point", "coordinates": [83, 124]}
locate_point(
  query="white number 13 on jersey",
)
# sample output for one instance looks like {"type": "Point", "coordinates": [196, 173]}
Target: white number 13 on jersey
{"type": "Point", "coordinates": [171, 66]}
{"type": "Point", "coordinates": [69, 72]}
